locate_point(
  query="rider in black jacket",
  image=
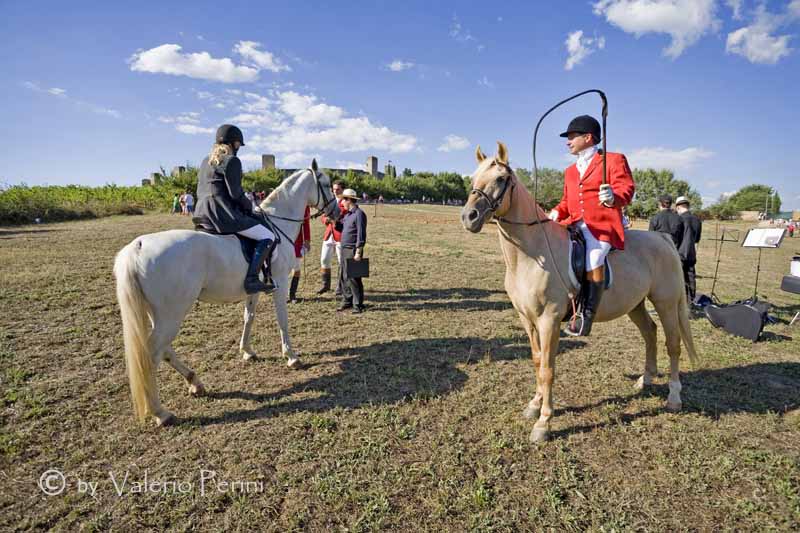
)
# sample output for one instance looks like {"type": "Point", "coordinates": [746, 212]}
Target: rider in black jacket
{"type": "Point", "coordinates": [222, 203]}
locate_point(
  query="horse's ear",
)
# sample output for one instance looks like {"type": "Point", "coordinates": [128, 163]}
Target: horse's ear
{"type": "Point", "coordinates": [502, 153]}
{"type": "Point", "coordinates": [314, 165]}
{"type": "Point", "coordinates": [480, 156]}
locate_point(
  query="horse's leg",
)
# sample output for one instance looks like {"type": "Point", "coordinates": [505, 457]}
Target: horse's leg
{"type": "Point", "coordinates": [249, 317]}
{"type": "Point", "coordinates": [535, 405]}
{"type": "Point", "coordinates": [164, 332]}
{"type": "Point", "coordinates": [668, 313]}
{"type": "Point", "coordinates": [647, 328]}
{"type": "Point", "coordinates": [548, 338]}
{"type": "Point", "coordinates": [279, 298]}
{"type": "Point", "coordinates": [196, 388]}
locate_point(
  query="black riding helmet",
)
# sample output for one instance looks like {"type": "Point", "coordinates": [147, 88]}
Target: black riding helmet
{"type": "Point", "coordinates": [584, 124]}
{"type": "Point", "coordinates": [228, 133]}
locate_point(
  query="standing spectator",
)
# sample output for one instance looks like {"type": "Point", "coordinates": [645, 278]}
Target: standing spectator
{"type": "Point", "coordinates": [330, 244]}
{"type": "Point", "coordinates": [354, 237]}
{"type": "Point", "coordinates": [183, 203]}
{"type": "Point", "coordinates": [176, 203]}
{"type": "Point", "coordinates": [302, 245]}
{"type": "Point", "coordinates": [692, 227]}
{"type": "Point", "coordinates": [667, 220]}
{"type": "Point", "coordinates": [189, 203]}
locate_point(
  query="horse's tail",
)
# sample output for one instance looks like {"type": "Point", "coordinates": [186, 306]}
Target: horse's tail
{"type": "Point", "coordinates": [136, 329]}
{"type": "Point", "coordinates": [686, 331]}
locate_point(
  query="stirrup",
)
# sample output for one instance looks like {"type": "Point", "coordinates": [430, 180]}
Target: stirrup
{"type": "Point", "coordinates": [254, 286]}
{"type": "Point", "coordinates": [580, 321]}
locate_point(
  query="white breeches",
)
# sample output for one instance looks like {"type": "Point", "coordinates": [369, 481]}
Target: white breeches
{"type": "Point", "coordinates": [257, 233]}
{"type": "Point", "coordinates": [596, 251]}
{"type": "Point", "coordinates": [329, 246]}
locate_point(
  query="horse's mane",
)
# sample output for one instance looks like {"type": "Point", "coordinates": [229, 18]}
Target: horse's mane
{"type": "Point", "coordinates": [280, 191]}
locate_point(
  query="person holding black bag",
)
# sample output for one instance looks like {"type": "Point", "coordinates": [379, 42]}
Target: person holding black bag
{"type": "Point", "coordinates": [354, 237]}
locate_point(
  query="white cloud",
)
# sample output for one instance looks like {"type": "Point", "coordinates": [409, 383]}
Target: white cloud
{"type": "Point", "coordinates": [580, 47]}
{"type": "Point", "coordinates": [657, 157]}
{"type": "Point", "coordinates": [484, 82]}
{"type": "Point", "coordinates": [306, 111]}
{"type": "Point", "coordinates": [452, 143]}
{"type": "Point", "coordinates": [713, 184]}
{"type": "Point", "coordinates": [203, 95]}
{"type": "Point", "coordinates": [260, 58]}
{"type": "Point", "coordinates": [398, 65]}
{"type": "Point", "coordinates": [756, 42]}
{"type": "Point", "coordinates": [685, 21]}
{"type": "Point", "coordinates": [736, 7]}
{"type": "Point", "coordinates": [794, 8]}
{"type": "Point", "coordinates": [62, 93]}
{"type": "Point", "coordinates": [192, 129]}
{"type": "Point", "coordinates": [168, 59]}
{"type": "Point", "coordinates": [192, 117]}
{"type": "Point", "coordinates": [351, 164]}
{"type": "Point", "coordinates": [463, 35]}
{"type": "Point", "coordinates": [297, 160]}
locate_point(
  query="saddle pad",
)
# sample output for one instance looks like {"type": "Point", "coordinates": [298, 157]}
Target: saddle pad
{"type": "Point", "coordinates": [573, 277]}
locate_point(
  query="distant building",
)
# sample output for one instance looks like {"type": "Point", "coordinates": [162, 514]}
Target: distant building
{"type": "Point", "coordinates": [268, 162]}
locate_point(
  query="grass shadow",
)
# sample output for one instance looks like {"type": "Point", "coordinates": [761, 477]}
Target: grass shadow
{"type": "Point", "coordinates": [380, 373]}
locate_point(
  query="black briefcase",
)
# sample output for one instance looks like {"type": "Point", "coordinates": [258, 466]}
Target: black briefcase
{"type": "Point", "coordinates": [741, 319]}
{"type": "Point", "coordinates": [358, 269]}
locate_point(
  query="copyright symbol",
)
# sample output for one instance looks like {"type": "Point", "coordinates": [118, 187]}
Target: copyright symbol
{"type": "Point", "coordinates": [52, 482]}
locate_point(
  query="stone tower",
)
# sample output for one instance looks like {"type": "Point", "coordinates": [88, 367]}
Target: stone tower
{"type": "Point", "coordinates": [372, 165]}
{"type": "Point", "coordinates": [267, 161]}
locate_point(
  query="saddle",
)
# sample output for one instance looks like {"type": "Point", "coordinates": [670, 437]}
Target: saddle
{"type": "Point", "coordinates": [577, 274]}
{"type": "Point", "coordinates": [248, 246]}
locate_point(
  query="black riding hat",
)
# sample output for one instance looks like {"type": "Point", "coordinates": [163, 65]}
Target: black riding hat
{"type": "Point", "coordinates": [584, 124]}
{"type": "Point", "coordinates": [228, 133]}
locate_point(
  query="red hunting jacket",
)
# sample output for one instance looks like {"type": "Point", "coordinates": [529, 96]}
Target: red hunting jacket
{"type": "Point", "coordinates": [304, 235]}
{"type": "Point", "coordinates": [330, 229]}
{"type": "Point", "coordinates": [581, 200]}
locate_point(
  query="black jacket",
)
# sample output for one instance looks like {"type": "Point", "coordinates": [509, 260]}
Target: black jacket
{"type": "Point", "coordinates": [354, 229]}
{"type": "Point", "coordinates": [220, 197]}
{"type": "Point", "coordinates": [692, 227]}
{"type": "Point", "coordinates": [668, 221]}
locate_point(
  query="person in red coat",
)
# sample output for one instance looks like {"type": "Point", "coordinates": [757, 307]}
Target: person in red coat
{"type": "Point", "coordinates": [596, 207]}
{"type": "Point", "coordinates": [302, 244]}
{"type": "Point", "coordinates": [330, 244]}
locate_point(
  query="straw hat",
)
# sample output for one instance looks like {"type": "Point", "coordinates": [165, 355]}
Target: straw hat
{"type": "Point", "coordinates": [350, 193]}
{"type": "Point", "coordinates": [682, 200]}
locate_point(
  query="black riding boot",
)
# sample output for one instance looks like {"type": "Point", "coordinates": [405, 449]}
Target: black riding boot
{"type": "Point", "coordinates": [326, 281]}
{"type": "Point", "coordinates": [293, 290]}
{"type": "Point", "coordinates": [581, 326]}
{"type": "Point", "coordinates": [261, 256]}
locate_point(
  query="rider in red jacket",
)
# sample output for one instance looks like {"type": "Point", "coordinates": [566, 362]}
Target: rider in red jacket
{"type": "Point", "coordinates": [596, 207]}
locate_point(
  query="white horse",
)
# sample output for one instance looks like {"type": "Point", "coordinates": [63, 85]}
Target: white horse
{"type": "Point", "coordinates": [160, 275]}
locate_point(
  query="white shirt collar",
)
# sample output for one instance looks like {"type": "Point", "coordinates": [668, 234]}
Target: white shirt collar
{"type": "Point", "coordinates": [585, 157]}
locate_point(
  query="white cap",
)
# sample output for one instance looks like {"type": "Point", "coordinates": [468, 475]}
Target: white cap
{"type": "Point", "coordinates": [681, 200]}
{"type": "Point", "coordinates": [350, 193]}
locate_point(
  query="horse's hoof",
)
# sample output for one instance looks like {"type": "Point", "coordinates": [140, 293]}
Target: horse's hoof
{"type": "Point", "coordinates": [165, 419]}
{"type": "Point", "coordinates": [640, 384]}
{"type": "Point", "coordinates": [674, 407]}
{"type": "Point", "coordinates": [197, 390]}
{"type": "Point", "coordinates": [531, 412]}
{"type": "Point", "coordinates": [294, 364]}
{"type": "Point", "coordinates": [538, 435]}
{"type": "Point", "coordinates": [249, 356]}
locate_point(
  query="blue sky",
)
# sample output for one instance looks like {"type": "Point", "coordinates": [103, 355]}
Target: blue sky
{"type": "Point", "coordinates": [106, 92]}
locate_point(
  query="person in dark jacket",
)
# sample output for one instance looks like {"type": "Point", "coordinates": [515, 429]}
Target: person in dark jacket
{"type": "Point", "coordinates": [667, 220]}
{"type": "Point", "coordinates": [222, 204]}
{"type": "Point", "coordinates": [692, 227]}
{"type": "Point", "coordinates": [353, 239]}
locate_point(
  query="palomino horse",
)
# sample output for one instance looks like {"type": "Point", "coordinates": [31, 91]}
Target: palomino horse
{"type": "Point", "coordinates": [537, 282]}
{"type": "Point", "coordinates": [160, 275]}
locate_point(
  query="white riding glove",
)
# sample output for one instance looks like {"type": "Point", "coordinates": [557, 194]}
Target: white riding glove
{"type": "Point", "coordinates": [553, 215]}
{"type": "Point", "coordinates": [606, 194]}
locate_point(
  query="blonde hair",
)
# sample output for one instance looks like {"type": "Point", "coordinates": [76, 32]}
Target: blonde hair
{"type": "Point", "coordinates": [218, 152]}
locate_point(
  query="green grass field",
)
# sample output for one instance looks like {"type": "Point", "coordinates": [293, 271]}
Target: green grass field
{"type": "Point", "coordinates": [405, 418]}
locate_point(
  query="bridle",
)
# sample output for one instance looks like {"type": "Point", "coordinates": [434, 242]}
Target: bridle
{"type": "Point", "coordinates": [324, 210]}
{"type": "Point", "coordinates": [495, 203]}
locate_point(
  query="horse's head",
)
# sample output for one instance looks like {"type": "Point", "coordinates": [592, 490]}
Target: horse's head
{"type": "Point", "coordinates": [323, 198]}
{"type": "Point", "coordinates": [492, 182]}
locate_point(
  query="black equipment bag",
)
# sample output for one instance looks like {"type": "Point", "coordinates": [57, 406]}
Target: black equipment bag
{"type": "Point", "coordinates": [743, 319]}
{"type": "Point", "coordinates": [357, 269]}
